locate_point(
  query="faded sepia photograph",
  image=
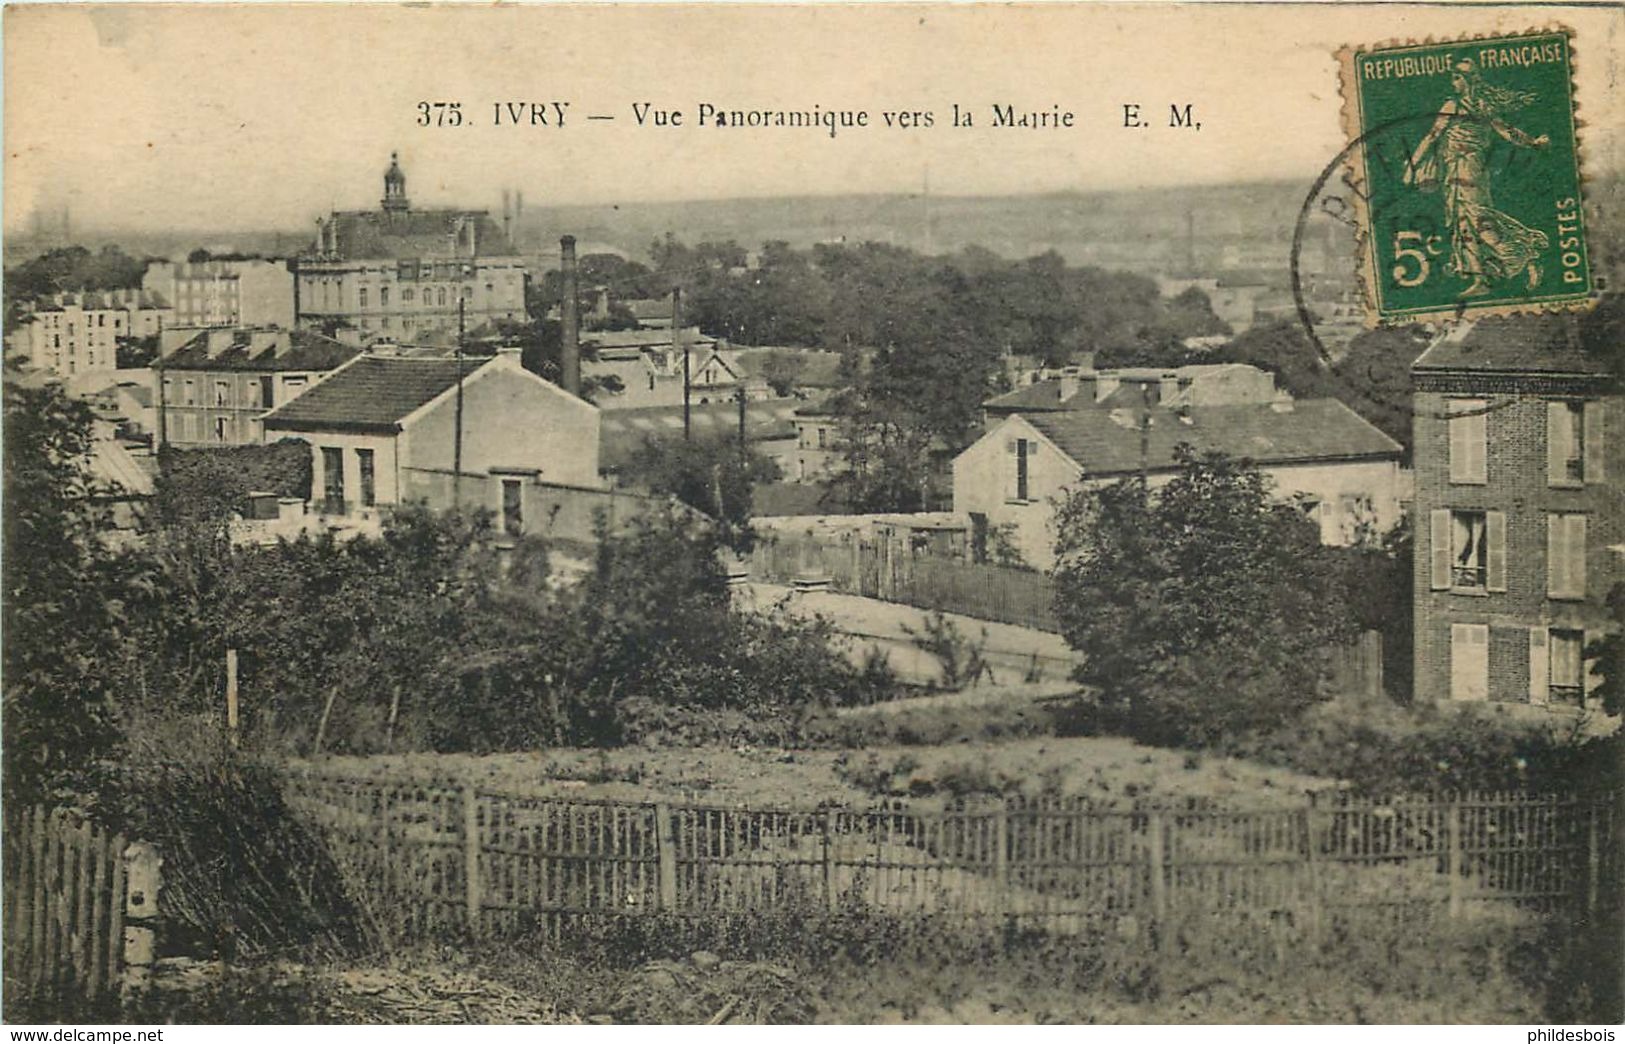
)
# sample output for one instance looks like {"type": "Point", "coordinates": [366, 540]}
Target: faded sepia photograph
{"type": "Point", "coordinates": [951, 514]}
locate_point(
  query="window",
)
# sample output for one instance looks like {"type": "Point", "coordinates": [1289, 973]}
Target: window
{"type": "Point", "coordinates": [222, 393]}
{"type": "Point", "coordinates": [513, 518]}
{"type": "Point", "coordinates": [1567, 671]}
{"type": "Point", "coordinates": [364, 463]}
{"type": "Point", "coordinates": [220, 429]}
{"type": "Point", "coordinates": [189, 394]}
{"type": "Point", "coordinates": [440, 297]}
{"type": "Point", "coordinates": [407, 296]}
{"type": "Point", "coordinates": [383, 297]}
{"type": "Point", "coordinates": [1469, 661]}
{"type": "Point", "coordinates": [363, 293]}
{"type": "Point", "coordinates": [1468, 550]}
{"type": "Point", "coordinates": [1565, 443]}
{"type": "Point", "coordinates": [332, 480]}
{"type": "Point", "coordinates": [823, 438]}
{"type": "Point", "coordinates": [1574, 443]}
{"type": "Point", "coordinates": [1468, 433]}
{"type": "Point", "coordinates": [1018, 479]}
{"type": "Point", "coordinates": [267, 390]}
{"type": "Point", "coordinates": [1565, 556]}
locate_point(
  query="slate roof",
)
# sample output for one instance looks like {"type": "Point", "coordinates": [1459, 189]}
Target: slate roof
{"type": "Point", "coordinates": [277, 351]}
{"type": "Point", "coordinates": [113, 465]}
{"type": "Point", "coordinates": [416, 234]}
{"type": "Point", "coordinates": [100, 300]}
{"type": "Point", "coordinates": [819, 368]}
{"type": "Point", "coordinates": [1107, 442]}
{"type": "Point", "coordinates": [621, 433]}
{"type": "Point", "coordinates": [1041, 395]}
{"type": "Point", "coordinates": [371, 394]}
{"type": "Point", "coordinates": [1519, 343]}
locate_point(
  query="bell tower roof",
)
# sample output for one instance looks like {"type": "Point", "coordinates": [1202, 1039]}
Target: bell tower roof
{"type": "Point", "coordinates": [395, 185]}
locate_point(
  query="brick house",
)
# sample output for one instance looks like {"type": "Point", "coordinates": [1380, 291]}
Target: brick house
{"type": "Point", "coordinates": [1519, 510]}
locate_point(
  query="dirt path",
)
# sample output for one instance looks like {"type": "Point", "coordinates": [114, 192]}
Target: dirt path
{"type": "Point", "coordinates": [1014, 653]}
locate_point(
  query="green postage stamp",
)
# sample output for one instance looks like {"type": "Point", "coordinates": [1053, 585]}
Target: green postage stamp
{"type": "Point", "coordinates": [1465, 161]}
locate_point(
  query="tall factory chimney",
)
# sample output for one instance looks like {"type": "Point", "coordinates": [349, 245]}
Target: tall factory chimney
{"type": "Point", "coordinates": [507, 219]}
{"type": "Point", "coordinates": [569, 319]}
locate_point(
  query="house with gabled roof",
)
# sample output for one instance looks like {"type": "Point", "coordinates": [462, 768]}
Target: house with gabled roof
{"type": "Point", "coordinates": [1339, 467]}
{"type": "Point", "coordinates": [387, 430]}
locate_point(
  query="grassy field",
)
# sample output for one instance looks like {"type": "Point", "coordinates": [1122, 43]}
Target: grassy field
{"type": "Point", "coordinates": [988, 741]}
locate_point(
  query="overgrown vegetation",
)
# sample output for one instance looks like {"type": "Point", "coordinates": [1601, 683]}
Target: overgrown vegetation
{"type": "Point", "coordinates": [1205, 609]}
{"type": "Point", "coordinates": [428, 637]}
{"type": "Point", "coordinates": [208, 485]}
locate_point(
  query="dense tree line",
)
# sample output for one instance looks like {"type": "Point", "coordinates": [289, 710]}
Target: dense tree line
{"type": "Point", "coordinates": [429, 637]}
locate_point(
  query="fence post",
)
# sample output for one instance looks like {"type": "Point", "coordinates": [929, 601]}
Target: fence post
{"type": "Point", "coordinates": [143, 875]}
{"type": "Point", "coordinates": [1001, 848]}
{"type": "Point", "coordinates": [1453, 830]}
{"type": "Point", "coordinates": [471, 857]}
{"type": "Point", "coordinates": [1154, 867]}
{"type": "Point", "coordinates": [1593, 861]}
{"type": "Point", "coordinates": [1306, 826]}
{"type": "Point", "coordinates": [667, 850]}
{"type": "Point", "coordinates": [831, 899]}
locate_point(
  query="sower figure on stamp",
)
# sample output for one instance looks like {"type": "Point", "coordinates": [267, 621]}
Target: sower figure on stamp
{"type": "Point", "coordinates": [1484, 240]}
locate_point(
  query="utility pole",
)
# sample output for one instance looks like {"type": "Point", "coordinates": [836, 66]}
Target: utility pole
{"type": "Point", "coordinates": [1145, 441]}
{"type": "Point", "coordinates": [457, 434]}
{"type": "Point", "coordinates": [162, 438]}
{"type": "Point", "coordinates": [741, 397]}
{"type": "Point", "coordinates": [677, 334]}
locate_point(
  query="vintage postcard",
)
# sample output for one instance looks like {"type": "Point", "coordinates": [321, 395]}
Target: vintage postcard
{"type": "Point", "coordinates": [832, 514]}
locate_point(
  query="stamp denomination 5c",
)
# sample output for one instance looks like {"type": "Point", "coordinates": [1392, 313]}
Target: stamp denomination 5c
{"type": "Point", "coordinates": [1466, 165]}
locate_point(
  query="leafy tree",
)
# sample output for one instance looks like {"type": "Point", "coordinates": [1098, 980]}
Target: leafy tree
{"type": "Point", "coordinates": [209, 485]}
{"type": "Point", "coordinates": [1608, 653]}
{"type": "Point", "coordinates": [709, 474]}
{"type": "Point", "coordinates": [1205, 609]}
{"type": "Point", "coordinates": [135, 352]}
{"type": "Point", "coordinates": [64, 597]}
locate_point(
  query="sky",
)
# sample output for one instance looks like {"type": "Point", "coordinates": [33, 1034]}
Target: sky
{"type": "Point", "coordinates": [261, 116]}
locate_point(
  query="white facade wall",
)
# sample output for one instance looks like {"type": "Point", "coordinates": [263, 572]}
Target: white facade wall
{"type": "Point", "coordinates": [1342, 493]}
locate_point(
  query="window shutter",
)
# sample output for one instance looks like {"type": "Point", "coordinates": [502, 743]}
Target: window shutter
{"type": "Point", "coordinates": [1556, 560]}
{"type": "Point", "coordinates": [1557, 423]}
{"type": "Point", "coordinates": [1469, 662]}
{"type": "Point", "coordinates": [1576, 551]}
{"type": "Point", "coordinates": [1596, 462]}
{"type": "Point", "coordinates": [1495, 524]}
{"type": "Point", "coordinates": [1477, 436]}
{"type": "Point", "coordinates": [1439, 549]}
{"type": "Point", "coordinates": [1539, 665]}
{"type": "Point", "coordinates": [1458, 446]}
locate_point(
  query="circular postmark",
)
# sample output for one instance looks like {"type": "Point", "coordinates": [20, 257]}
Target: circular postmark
{"type": "Point", "coordinates": [1331, 257]}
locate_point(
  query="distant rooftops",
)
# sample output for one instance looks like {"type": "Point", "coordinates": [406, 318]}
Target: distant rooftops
{"type": "Point", "coordinates": [99, 300]}
{"type": "Point", "coordinates": [1107, 442]}
{"type": "Point", "coordinates": [622, 432]}
{"type": "Point", "coordinates": [372, 393]}
{"type": "Point", "coordinates": [1551, 344]}
{"type": "Point", "coordinates": [1199, 384]}
{"type": "Point", "coordinates": [260, 349]}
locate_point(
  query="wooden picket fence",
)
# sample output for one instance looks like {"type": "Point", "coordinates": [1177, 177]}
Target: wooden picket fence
{"type": "Point", "coordinates": [65, 895]}
{"type": "Point", "coordinates": [876, 569]}
{"type": "Point", "coordinates": [432, 857]}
